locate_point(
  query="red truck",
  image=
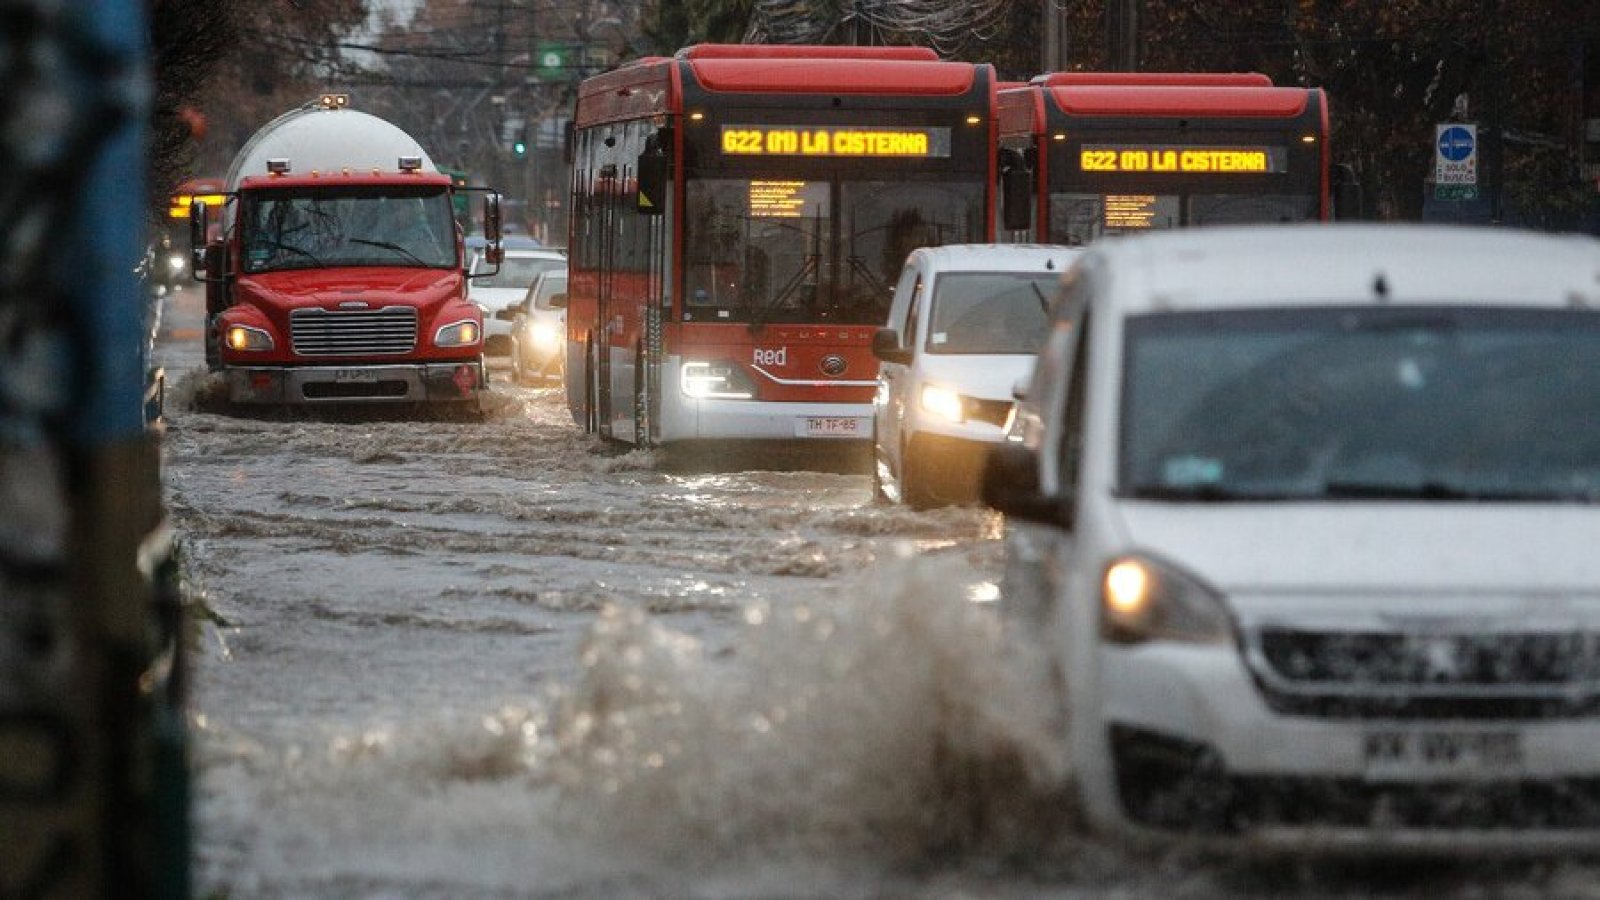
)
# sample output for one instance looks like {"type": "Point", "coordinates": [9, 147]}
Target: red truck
{"type": "Point", "coordinates": [337, 274]}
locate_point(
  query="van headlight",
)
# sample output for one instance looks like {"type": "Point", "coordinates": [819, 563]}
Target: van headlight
{"type": "Point", "coordinates": [1142, 599]}
{"type": "Point", "coordinates": [243, 337]}
{"type": "Point", "coordinates": [943, 402]}
{"type": "Point", "coordinates": [545, 336]}
{"type": "Point", "coordinates": [719, 381]}
{"type": "Point", "coordinates": [458, 334]}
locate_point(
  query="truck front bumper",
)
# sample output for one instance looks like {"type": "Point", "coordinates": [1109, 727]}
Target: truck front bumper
{"type": "Point", "coordinates": [409, 383]}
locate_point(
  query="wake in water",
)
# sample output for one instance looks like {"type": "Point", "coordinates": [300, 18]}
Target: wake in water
{"type": "Point", "coordinates": [896, 721]}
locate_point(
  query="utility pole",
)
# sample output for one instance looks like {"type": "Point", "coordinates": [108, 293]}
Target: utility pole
{"type": "Point", "coordinates": [1055, 36]}
{"type": "Point", "coordinates": [1122, 35]}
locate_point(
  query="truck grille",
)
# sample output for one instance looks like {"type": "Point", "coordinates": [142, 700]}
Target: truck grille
{"type": "Point", "coordinates": [1365, 674]}
{"type": "Point", "coordinates": [364, 332]}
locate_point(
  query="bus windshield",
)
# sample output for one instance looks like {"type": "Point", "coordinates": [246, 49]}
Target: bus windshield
{"type": "Point", "coordinates": [304, 228]}
{"type": "Point", "coordinates": [813, 251]}
{"type": "Point", "coordinates": [1079, 219]}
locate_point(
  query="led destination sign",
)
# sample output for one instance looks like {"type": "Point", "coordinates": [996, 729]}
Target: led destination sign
{"type": "Point", "coordinates": [1182, 159]}
{"type": "Point", "coordinates": [777, 140]}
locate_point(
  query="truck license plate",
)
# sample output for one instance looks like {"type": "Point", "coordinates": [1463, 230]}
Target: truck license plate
{"type": "Point", "coordinates": [832, 426]}
{"type": "Point", "coordinates": [1407, 753]}
{"type": "Point", "coordinates": [355, 376]}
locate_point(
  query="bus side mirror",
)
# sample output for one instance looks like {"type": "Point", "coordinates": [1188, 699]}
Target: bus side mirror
{"type": "Point", "coordinates": [1346, 192]}
{"type": "Point", "coordinates": [654, 173]}
{"type": "Point", "coordinates": [1016, 192]}
{"type": "Point", "coordinates": [198, 222]}
{"type": "Point", "coordinates": [493, 252]}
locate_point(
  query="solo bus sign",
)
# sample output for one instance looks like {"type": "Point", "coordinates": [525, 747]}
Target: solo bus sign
{"type": "Point", "coordinates": [1455, 169]}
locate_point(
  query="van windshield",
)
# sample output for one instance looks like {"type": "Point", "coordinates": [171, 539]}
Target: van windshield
{"type": "Point", "coordinates": [990, 312]}
{"type": "Point", "coordinates": [305, 228]}
{"type": "Point", "coordinates": [1417, 403]}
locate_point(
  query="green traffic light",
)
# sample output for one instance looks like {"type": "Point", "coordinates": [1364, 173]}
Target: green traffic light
{"type": "Point", "coordinates": [519, 148]}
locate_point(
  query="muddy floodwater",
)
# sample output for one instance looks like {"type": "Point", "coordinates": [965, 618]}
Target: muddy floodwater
{"type": "Point", "coordinates": [503, 659]}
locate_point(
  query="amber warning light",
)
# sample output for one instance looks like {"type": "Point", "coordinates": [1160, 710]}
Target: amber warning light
{"type": "Point", "coordinates": [764, 140]}
{"type": "Point", "coordinates": [1188, 160]}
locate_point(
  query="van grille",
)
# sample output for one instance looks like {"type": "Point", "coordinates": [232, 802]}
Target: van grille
{"type": "Point", "coordinates": [1509, 675]}
{"type": "Point", "coordinates": [365, 332]}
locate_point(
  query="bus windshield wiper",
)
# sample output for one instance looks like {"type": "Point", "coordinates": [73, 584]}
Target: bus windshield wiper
{"type": "Point", "coordinates": [389, 245]}
{"type": "Point", "coordinates": [1438, 490]}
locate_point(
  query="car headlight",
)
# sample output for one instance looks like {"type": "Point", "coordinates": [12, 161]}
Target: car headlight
{"type": "Point", "coordinates": [943, 402]}
{"type": "Point", "coordinates": [545, 336]}
{"type": "Point", "coordinates": [1143, 599]}
{"type": "Point", "coordinates": [243, 337]}
{"type": "Point", "coordinates": [176, 262]}
{"type": "Point", "coordinates": [457, 334]}
{"type": "Point", "coordinates": [721, 381]}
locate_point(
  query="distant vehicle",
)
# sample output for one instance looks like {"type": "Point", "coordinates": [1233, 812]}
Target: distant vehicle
{"type": "Point", "coordinates": [1313, 514]}
{"type": "Point", "coordinates": [963, 328]}
{"type": "Point", "coordinates": [336, 276]}
{"type": "Point", "coordinates": [539, 328]}
{"type": "Point", "coordinates": [503, 290]}
{"type": "Point", "coordinates": [1085, 154]}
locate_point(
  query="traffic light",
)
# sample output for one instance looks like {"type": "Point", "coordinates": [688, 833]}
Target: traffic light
{"type": "Point", "coordinates": [519, 147]}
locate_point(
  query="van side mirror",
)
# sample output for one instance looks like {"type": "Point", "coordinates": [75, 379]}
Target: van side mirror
{"type": "Point", "coordinates": [1016, 192]}
{"type": "Point", "coordinates": [558, 301]}
{"type": "Point", "coordinates": [494, 251]}
{"type": "Point", "coordinates": [886, 347]}
{"type": "Point", "coordinates": [1011, 486]}
{"type": "Point", "coordinates": [1346, 192]}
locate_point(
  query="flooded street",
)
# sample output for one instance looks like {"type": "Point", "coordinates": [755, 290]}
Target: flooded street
{"type": "Point", "coordinates": [500, 658]}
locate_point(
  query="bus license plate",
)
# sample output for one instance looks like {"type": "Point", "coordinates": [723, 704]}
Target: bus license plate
{"type": "Point", "coordinates": [1413, 753]}
{"type": "Point", "coordinates": [355, 376]}
{"type": "Point", "coordinates": [831, 426]}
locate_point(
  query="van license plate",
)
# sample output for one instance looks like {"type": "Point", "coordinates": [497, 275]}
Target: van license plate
{"type": "Point", "coordinates": [355, 376]}
{"type": "Point", "coordinates": [832, 426]}
{"type": "Point", "coordinates": [1427, 752]}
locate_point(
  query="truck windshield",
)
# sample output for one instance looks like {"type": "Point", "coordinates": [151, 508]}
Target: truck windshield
{"type": "Point", "coordinates": [1418, 403]}
{"type": "Point", "coordinates": [302, 228]}
{"type": "Point", "coordinates": [813, 251]}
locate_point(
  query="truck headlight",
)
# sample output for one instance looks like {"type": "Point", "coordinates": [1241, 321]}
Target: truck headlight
{"type": "Point", "coordinates": [721, 381]}
{"type": "Point", "coordinates": [457, 334]}
{"type": "Point", "coordinates": [243, 337]}
{"type": "Point", "coordinates": [1143, 599]}
{"type": "Point", "coordinates": [942, 402]}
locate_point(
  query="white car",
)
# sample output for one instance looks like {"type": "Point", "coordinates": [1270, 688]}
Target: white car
{"type": "Point", "coordinates": [964, 324]}
{"type": "Point", "coordinates": [505, 289]}
{"type": "Point", "coordinates": [1309, 520]}
{"type": "Point", "coordinates": [539, 329]}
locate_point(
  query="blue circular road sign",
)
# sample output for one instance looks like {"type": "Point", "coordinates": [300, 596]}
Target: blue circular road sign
{"type": "Point", "coordinates": [1455, 143]}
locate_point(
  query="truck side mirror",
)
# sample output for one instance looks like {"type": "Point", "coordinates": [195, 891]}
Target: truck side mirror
{"type": "Point", "coordinates": [1016, 192]}
{"type": "Point", "coordinates": [198, 221]}
{"type": "Point", "coordinates": [494, 251]}
{"type": "Point", "coordinates": [1346, 192]}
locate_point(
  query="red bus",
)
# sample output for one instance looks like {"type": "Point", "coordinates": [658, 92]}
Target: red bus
{"type": "Point", "coordinates": [740, 215]}
{"type": "Point", "coordinates": [1085, 154]}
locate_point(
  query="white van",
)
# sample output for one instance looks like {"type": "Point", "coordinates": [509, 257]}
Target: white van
{"type": "Point", "coordinates": [964, 325]}
{"type": "Point", "coordinates": [1309, 519]}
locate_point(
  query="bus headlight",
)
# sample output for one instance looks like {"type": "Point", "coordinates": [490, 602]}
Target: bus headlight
{"type": "Point", "coordinates": [457, 334]}
{"type": "Point", "coordinates": [719, 381]}
{"type": "Point", "coordinates": [243, 337]}
{"type": "Point", "coordinates": [1145, 600]}
{"type": "Point", "coordinates": [942, 402]}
